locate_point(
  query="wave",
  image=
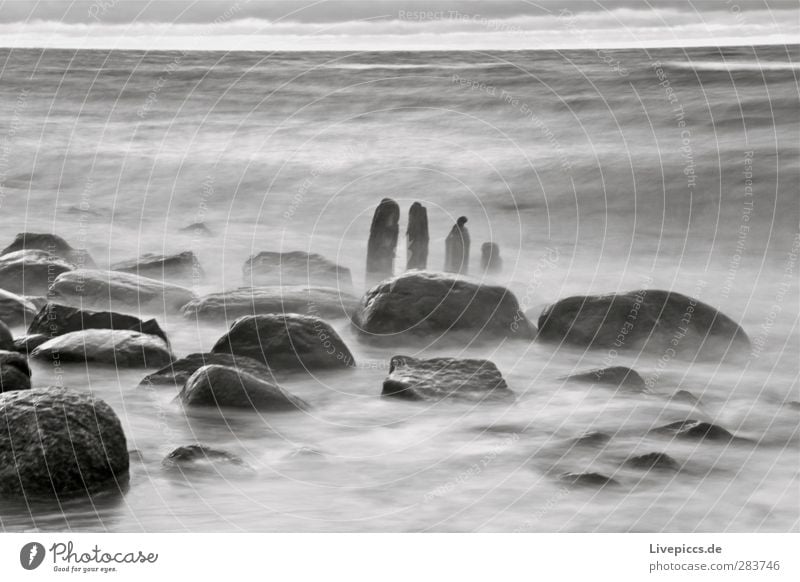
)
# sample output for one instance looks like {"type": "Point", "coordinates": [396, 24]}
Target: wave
{"type": "Point", "coordinates": [733, 66]}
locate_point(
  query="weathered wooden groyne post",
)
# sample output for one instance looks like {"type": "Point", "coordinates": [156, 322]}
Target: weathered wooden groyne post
{"type": "Point", "coordinates": [456, 248]}
{"type": "Point", "coordinates": [382, 241]}
{"type": "Point", "coordinates": [490, 258]}
{"type": "Point", "coordinates": [417, 237]}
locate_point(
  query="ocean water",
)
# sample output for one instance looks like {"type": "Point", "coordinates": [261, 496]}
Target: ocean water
{"type": "Point", "coordinates": [594, 172]}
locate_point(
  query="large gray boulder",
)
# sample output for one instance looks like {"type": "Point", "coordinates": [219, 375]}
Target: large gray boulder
{"type": "Point", "coordinates": [31, 272]}
{"type": "Point", "coordinates": [121, 348]}
{"type": "Point", "coordinates": [645, 320]}
{"type": "Point", "coordinates": [55, 319]}
{"type": "Point", "coordinates": [115, 291]}
{"type": "Point", "coordinates": [230, 305]}
{"type": "Point", "coordinates": [181, 267]}
{"type": "Point", "coordinates": [178, 372]}
{"type": "Point", "coordinates": [56, 442]}
{"type": "Point", "coordinates": [15, 374]}
{"type": "Point", "coordinates": [286, 342]}
{"type": "Point", "coordinates": [295, 268]}
{"type": "Point", "coordinates": [224, 387]}
{"type": "Point", "coordinates": [15, 309]}
{"type": "Point", "coordinates": [427, 304]}
{"type": "Point", "coordinates": [440, 378]}
{"type": "Point", "coordinates": [52, 244]}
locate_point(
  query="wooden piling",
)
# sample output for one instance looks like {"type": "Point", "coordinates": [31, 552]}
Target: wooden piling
{"type": "Point", "coordinates": [382, 241]}
{"type": "Point", "coordinates": [490, 258]}
{"type": "Point", "coordinates": [456, 251]}
{"type": "Point", "coordinates": [417, 237]}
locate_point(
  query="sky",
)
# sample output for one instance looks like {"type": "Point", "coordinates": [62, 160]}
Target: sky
{"type": "Point", "coordinates": [395, 24]}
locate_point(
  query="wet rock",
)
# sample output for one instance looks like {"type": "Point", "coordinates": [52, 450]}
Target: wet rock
{"type": "Point", "coordinates": [55, 319]}
{"type": "Point", "coordinates": [422, 303]}
{"type": "Point", "coordinates": [440, 378]}
{"type": "Point", "coordinates": [592, 439]}
{"type": "Point", "coordinates": [52, 244]}
{"type": "Point", "coordinates": [695, 429]}
{"type": "Point", "coordinates": [224, 387]}
{"type": "Point", "coordinates": [183, 266]}
{"type": "Point", "coordinates": [27, 343]}
{"type": "Point", "coordinates": [6, 339]}
{"type": "Point", "coordinates": [794, 404]}
{"type": "Point", "coordinates": [230, 305]}
{"type": "Point", "coordinates": [116, 291]}
{"type": "Point", "coordinates": [15, 374]}
{"type": "Point", "coordinates": [295, 268]}
{"type": "Point", "coordinates": [121, 348]}
{"type": "Point", "coordinates": [652, 320]}
{"type": "Point", "coordinates": [286, 342]}
{"type": "Point", "coordinates": [199, 458]}
{"type": "Point", "coordinates": [31, 272]}
{"type": "Point", "coordinates": [619, 376]}
{"type": "Point", "coordinates": [179, 371]}
{"type": "Point", "coordinates": [587, 479]}
{"type": "Point", "coordinates": [15, 309]}
{"type": "Point", "coordinates": [305, 453]}
{"type": "Point", "coordinates": [197, 229]}
{"type": "Point", "coordinates": [686, 397]}
{"type": "Point", "coordinates": [656, 461]}
{"type": "Point", "coordinates": [57, 442]}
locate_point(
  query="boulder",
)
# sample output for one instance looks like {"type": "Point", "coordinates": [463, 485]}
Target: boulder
{"type": "Point", "coordinates": [660, 321]}
{"type": "Point", "coordinates": [695, 429]}
{"type": "Point", "coordinates": [115, 291]}
{"type": "Point", "coordinates": [440, 378]}
{"type": "Point", "coordinates": [618, 376]}
{"type": "Point", "coordinates": [593, 438]}
{"type": "Point", "coordinates": [587, 479]}
{"type": "Point", "coordinates": [199, 458]}
{"type": "Point", "coordinates": [121, 348]}
{"type": "Point", "coordinates": [197, 229]}
{"type": "Point", "coordinates": [15, 309]}
{"type": "Point", "coordinates": [31, 271]}
{"type": "Point", "coordinates": [225, 387]}
{"type": "Point", "coordinates": [654, 461]}
{"type": "Point", "coordinates": [177, 267]}
{"type": "Point", "coordinates": [57, 442]}
{"type": "Point", "coordinates": [179, 371]}
{"type": "Point", "coordinates": [27, 343]}
{"type": "Point", "coordinates": [422, 303]}
{"type": "Point", "coordinates": [295, 268]}
{"type": "Point", "coordinates": [6, 339]}
{"type": "Point", "coordinates": [15, 374]}
{"type": "Point", "coordinates": [230, 305]}
{"type": "Point", "coordinates": [55, 319]}
{"type": "Point", "coordinates": [52, 244]}
{"type": "Point", "coordinates": [286, 342]}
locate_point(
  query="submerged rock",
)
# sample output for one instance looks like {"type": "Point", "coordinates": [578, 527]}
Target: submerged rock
{"type": "Point", "coordinates": [439, 378]}
{"type": "Point", "coordinates": [178, 372]}
{"type": "Point", "coordinates": [295, 268]}
{"type": "Point", "coordinates": [199, 458]}
{"type": "Point", "coordinates": [197, 229]}
{"type": "Point", "coordinates": [224, 387]}
{"type": "Point", "coordinates": [15, 374]}
{"type": "Point", "coordinates": [55, 319]}
{"type": "Point", "coordinates": [587, 479]}
{"type": "Point", "coordinates": [695, 429]}
{"type": "Point", "coordinates": [27, 343]}
{"type": "Point", "coordinates": [115, 291]}
{"type": "Point", "coordinates": [660, 321]}
{"type": "Point", "coordinates": [121, 348]}
{"type": "Point", "coordinates": [6, 339]}
{"type": "Point", "coordinates": [56, 442]}
{"type": "Point", "coordinates": [593, 439]}
{"type": "Point", "coordinates": [52, 244]}
{"type": "Point", "coordinates": [422, 303]}
{"type": "Point", "coordinates": [31, 272]}
{"type": "Point", "coordinates": [657, 461]}
{"type": "Point", "coordinates": [615, 376]}
{"type": "Point", "coordinates": [230, 305]}
{"type": "Point", "coordinates": [686, 397]}
{"type": "Point", "coordinates": [15, 309]}
{"type": "Point", "coordinates": [176, 267]}
{"type": "Point", "coordinates": [286, 342]}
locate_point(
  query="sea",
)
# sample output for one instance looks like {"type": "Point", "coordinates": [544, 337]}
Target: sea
{"type": "Point", "coordinates": [595, 171]}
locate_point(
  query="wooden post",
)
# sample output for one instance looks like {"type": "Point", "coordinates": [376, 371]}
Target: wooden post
{"type": "Point", "coordinates": [490, 258]}
{"type": "Point", "coordinates": [456, 248]}
{"type": "Point", "coordinates": [417, 237]}
{"type": "Point", "coordinates": [382, 241]}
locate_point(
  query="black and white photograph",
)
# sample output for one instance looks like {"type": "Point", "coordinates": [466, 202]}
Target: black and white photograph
{"type": "Point", "coordinates": [513, 267]}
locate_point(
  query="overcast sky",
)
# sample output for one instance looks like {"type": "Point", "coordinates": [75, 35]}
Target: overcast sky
{"type": "Point", "coordinates": [393, 24]}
